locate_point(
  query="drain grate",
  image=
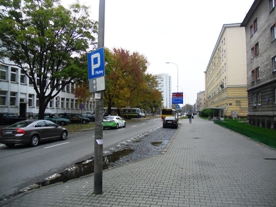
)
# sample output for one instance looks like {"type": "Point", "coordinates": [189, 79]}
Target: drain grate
{"type": "Point", "coordinates": [269, 158]}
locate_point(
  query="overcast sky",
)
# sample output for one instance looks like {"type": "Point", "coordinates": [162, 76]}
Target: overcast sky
{"type": "Point", "coordinates": [183, 32]}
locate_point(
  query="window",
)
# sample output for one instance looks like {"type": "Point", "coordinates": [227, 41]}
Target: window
{"type": "Point", "coordinates": [273, 32]}
{"type": "Point", "coordinates": [3, 95]}
{"type": "Point", "coordinates": [3, 72]}
{"type": "Point", "coordinates": [72, 103]}
{"type": "Point", "coordinates": [13, 74]}
{"type": "Point", "coordinates": [254, 99]}
{"type": "Point", "coordinates": [62, 103]}
{"type": "Point", "coordinates": [259, 98]}
{"type": "Point", "coordinates": [12, 98]}
{"type": "Point", "coordinates": [31, 100]}
{"type": "Point", "coordinates": [68, 88]}
{"type": "Point", "coordinates": [76, 104]}
{"type": "Point", "coordinates": [67, 103]}
{"type": "Point", "coordinates": [51, 103]}
{"type": "Point", "coordinates": [72, 88]}
{"type": "Point", "coordinates": [255, 74]}
{"type": "Point", "coordinates": [22, 77]}
{"type": "Point", "coordinates": [37, 103]}
{"type": "Point", "coordinates": [274, 63]}
{"type": "Point", "coordinates": [63, 86]}
{"type": "Point", "coordinates": [274, 96]}
{"type": "Point", "coordinates": [272, 4]}
{"type": "Point", "coordinates": [255, 50]}
{"type": "Point", "coordinates": [253, 27]}
{"type": "Point", "coordinates": [57, 104]}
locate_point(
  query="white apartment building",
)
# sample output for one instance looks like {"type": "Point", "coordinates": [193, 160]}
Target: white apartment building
{"type": "Point", "coordinates": [165, 87]}
{"type": "Point", "coordinates": [17, 95]}
{"type": "Point", "coordinates": [225, 76]}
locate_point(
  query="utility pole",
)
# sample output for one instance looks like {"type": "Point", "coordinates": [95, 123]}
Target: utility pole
{"type": "Point", "coordinates": [98, 143]}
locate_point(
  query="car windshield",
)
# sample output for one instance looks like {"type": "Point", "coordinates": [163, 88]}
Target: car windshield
{"type": "Point", "coordinates": [109, 117]}
{"type": "Point", "coordinates": [21, 124]}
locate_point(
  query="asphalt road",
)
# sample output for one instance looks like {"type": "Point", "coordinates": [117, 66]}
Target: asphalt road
{"type": "Point", "coordinates": [22, 166]}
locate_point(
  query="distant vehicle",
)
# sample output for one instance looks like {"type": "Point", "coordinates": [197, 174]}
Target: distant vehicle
{"type": "Point", "coordinates": [90, 116]}
{"type": "Point", "coordinates": [10, 118]}
{"type": "Point", "coordinates": [75, 118]}
{"type": "Point", "coordinates": [113, 122]}
{"type": "Point", "coordinates": [168, 112]}
{"type": "Point", "coordinates": [31, 132]}
{"type": "Point", "coordinates": [126, 113]}
{"type": "Point", "coordinates": [58, 120]}
{"type": "Point", "coordinates": [129, 113]}
{"type": "Point", "coordinates": [170, 121]}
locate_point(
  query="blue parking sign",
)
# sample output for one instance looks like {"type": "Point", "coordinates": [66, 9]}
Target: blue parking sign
{"type": "Point", "coordinates": [96, 64]}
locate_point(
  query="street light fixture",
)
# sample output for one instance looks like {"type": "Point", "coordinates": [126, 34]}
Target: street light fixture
{"type": "Point", "coordinates": [177, 72]}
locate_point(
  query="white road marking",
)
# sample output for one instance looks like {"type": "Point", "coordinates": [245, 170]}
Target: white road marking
{"type": "Point", "coordinates": [56, 145]}
{"type": "Point", "coordinates": [134, 126]}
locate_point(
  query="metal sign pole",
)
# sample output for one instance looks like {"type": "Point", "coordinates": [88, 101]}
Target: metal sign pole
{"type": "Point", "coordinates": [98, 143]}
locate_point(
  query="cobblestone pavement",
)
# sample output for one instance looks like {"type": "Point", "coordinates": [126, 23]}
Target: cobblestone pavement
{"type": "Point", "coordinates": [204, 165]}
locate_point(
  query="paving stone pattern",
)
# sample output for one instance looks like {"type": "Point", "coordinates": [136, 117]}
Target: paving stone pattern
{"type": "Point", "coordinates": [204, 165]}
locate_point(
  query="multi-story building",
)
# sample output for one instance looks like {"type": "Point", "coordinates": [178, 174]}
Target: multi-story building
{"type": "Point", "coordinates": [164, 86]}
{"type": "Point", "coordinates": [225, 76]}
{"type": "Point", "coordinates": [17, 95]}
{"type": "Point", "coordinates": [260, 27]}
{"type": "Point", "coordinates": [200, 101]}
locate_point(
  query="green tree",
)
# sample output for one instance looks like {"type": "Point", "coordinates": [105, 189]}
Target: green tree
{"type": "Point", "coordinates": [47, 42]}
{"type": "Point", "coordinates": [125, 74]}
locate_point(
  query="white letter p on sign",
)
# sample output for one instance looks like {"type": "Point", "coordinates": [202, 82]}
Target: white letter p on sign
{"type": "Point", "coordinates": [98, 62]}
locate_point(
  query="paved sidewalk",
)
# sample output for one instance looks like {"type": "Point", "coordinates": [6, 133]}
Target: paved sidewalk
{"type": "Point", "coordinates": [204, 165]}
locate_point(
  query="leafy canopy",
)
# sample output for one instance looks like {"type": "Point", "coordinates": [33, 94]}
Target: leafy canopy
{"type": "Point", "coordinates": [46, 41]}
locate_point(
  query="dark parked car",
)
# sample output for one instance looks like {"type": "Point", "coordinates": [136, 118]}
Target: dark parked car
{"type": "Point", "coordinates": [75, 118]}
{"type": "Point", "coordinates": [91, 117]}
{"type": "Point", "coordinates": [31, 132]}
{"type": "Point", "coordinates": [10, 118]}
{"type": "Point", "coordinates": [170, 121]}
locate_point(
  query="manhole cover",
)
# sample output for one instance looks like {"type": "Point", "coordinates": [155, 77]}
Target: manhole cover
{"type": "Point", "coordinates": [196, 137]}
{"type": "Point", "coordinates": [269, 158]}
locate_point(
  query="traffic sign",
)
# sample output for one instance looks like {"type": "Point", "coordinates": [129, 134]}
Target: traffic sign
{"type": "Point", "coordinates": [177, 98]}
{"type": "Point", "coordinates": [96, 71]}
{"type": "Point", "coordinates": [96, 64]}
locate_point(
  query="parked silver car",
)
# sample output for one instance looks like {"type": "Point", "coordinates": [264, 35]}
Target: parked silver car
{"type": "Point", "coordinates": [31, 132]}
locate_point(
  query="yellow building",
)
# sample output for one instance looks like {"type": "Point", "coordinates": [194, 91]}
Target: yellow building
{"type": "Point", "coordinates": [225, 76]}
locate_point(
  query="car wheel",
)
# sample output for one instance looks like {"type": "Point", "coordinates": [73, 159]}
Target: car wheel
{"type": "Point", "coordinates": [34, 141]}
{"type": "Point", "coordinates": [62, 123]}
{"type": "Point", "coordinates": [124, 124]}
{"type": "Point", "coordinates": [84, 121]}
{"type": "Point", "coordinates": [10, 145]}
{"type": "Point", "coordinates": [117, 126]}
{"type": "Point", "coordinates": [63, 135]}
{"type": "Point", "coordinates": [164, 126]}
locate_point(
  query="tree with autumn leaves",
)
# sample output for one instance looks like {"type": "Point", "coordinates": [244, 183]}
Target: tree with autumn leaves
{"type": "Point", "coordinates": [127, 83]}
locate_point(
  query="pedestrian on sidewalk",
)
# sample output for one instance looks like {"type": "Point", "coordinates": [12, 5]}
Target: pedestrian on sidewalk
{"type": "Point", "coordinates": [190, 116]}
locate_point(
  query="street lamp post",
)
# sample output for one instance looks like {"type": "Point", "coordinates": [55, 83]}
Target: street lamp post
{"type": "Point", "coordinates": [177, 72]}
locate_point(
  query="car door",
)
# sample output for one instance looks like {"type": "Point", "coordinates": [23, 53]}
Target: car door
{"type": "Point", "coordinates": [42, 130]}
{"type": "Point", "coordinates": [120, 121]}
{"type": "Point", "coordinates": [54, 130]}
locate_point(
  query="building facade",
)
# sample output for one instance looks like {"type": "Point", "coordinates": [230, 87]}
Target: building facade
{"type": "Point", "coordinates": [260, 27]}
{"type": "Point", "coordinates": [165, 87]}
{"type": "Point", "coordinates": [17, 95]}
{"type": "Point", "coordinates": [200, 101]}
{"type": "Point", "coordinates": [225, 76]}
